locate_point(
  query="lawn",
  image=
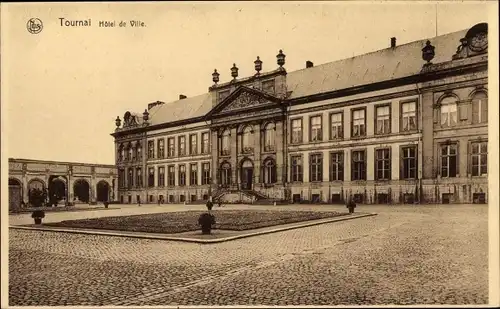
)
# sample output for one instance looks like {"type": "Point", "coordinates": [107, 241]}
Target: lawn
{"type": "Point", "coordinates": [185, 221]}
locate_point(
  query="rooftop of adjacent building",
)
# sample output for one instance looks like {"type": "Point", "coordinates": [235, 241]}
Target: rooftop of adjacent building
{"type": "Point", "coordinates": [21, 160]}
{"type": "Point", "coordinates": [394, 62]}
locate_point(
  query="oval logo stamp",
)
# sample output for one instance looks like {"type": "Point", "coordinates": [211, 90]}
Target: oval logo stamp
{"type": "Point", "coordinates": [34, 25]}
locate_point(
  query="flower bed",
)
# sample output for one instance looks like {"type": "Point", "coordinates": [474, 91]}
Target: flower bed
{"type": "Point", "coordinates": [185, 221]}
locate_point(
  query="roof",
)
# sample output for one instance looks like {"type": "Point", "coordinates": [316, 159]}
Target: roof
{"type": "Point", "coordinates": [383, 65]}
{"type": "Point", "coordinates": [387, 64]}
{"type": "Point", "coordinates": [190, 107]}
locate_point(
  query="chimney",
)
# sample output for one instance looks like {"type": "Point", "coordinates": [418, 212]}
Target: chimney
{"type": "Point", "coordinates": [393, 42]}
{"type": "Point", "coordinates": [309, 64]}
{"type": "Point", "coordinates": [182, 97]}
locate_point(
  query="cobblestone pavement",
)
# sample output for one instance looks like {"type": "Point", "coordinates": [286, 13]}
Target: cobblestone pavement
{"type": "Point", "coordinates": [405, 255]}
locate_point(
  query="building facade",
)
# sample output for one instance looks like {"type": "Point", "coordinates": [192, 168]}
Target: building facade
{"type": "Point", "coordinates": [401, 125]}
{"type": "Point", "coordinates": [63, 182]}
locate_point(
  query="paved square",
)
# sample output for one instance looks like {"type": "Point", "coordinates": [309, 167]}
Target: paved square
{"type": "Point", "coordinates": [428, 254]}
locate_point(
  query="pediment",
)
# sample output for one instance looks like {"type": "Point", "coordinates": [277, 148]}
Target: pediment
{"type": "Point", "coordinates": [242, 99]}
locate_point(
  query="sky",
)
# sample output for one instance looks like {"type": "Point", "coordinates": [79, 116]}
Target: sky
{"type": "Point", "coordinates": [63, 87]}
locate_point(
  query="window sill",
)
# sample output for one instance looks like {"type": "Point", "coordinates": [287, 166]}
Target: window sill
{"type": "Point", "coordinates": [355, 138]}
{"type": "Point", "coordinates": [338, 139]}
{"type": "Point", "coordinates": [383, 134]}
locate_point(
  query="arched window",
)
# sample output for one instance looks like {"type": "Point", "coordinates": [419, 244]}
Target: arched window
{"type": "Point", "coordinates": [247, 140]}
{"type": "Point", "coordinates": [269, 137]}
{"type": "Point", "coordinates": [225, 174]}
{"type": "Point", "coordinates": [479, 108]}
{"type": "Point", "coordinates": [225, 150]}
{"type": "Point", "coordinates": [449, 111]}
{"type": "Point", "coordinates": [269, 171]}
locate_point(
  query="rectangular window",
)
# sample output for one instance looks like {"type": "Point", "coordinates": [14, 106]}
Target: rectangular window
{"type": "Point", "coordinates": [479, 158]}
{"type": "Point", "coordinates": [182, 145]}
{"type": "Point", "coordinates": [409, 162]}
{"type": "Point", "coordinates": [358, 169]}
{"type": "Point", "coordinates": [193, 174]}
{"type": "Point", "coordinates": [138, 179]}
{"type": "Point", "coordinates": [151, 177]}
{"type": "Point", "coordinates": [449, 115]}
{"type": "Point", "coordinates": [151, 149]}
{"type": "Point", "coordinates": [383, 164]}
{"type": "Point", "coordinates": [121, 178]}
{"type": "Point", "coordinates": [171, 147]}
{"type": "Point", "coordinates": [205, 180]}
{"type": "Point", "coordinates": [138, 152]}
{"type": "Point", "coordinates": [182, 175]}
{"type": "Point", "coordinates": [336, 126]}
{"type": "Point", "coordinates": [336, 166]}
{"type": "Point", "coordinates": [193, 142]}
{"type": "Point", "coordinates": [358, 121]}
{"type": "Point", "coordinates": [383, 119]}
{"type": "Point", "coordinates": [480, 108]}
{"type": "Point", "coordinates": [449, 160]}
{"type": "Point", "coordinates": [161, 176]}
{"type": "Point", "coordinates": [161, 148]}
{"type": "Point", "coordinates": [171, 175]}
{"type": "Point", "coordinates": [296, 166]}
{"type": "Point", "coordinates": [205, 146]}
{"type": "Point", "coordinates": [408, 116]}
{"type": "Point", "coordinates": [315, 127]}
{"type": "Point", "coordinates": [130, 177]}
{"type": "Point", "coordinates": [316, 167]}
{"type": "Point", "coordinates": [296, 131]}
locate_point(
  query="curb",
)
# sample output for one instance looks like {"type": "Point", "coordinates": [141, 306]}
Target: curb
{"type": "Point", "coordinates": [192, 240]}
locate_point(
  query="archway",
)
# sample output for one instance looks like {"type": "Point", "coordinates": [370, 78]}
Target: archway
{"type": "Point", "coordinates": [15, 193]}
{"type": "Point", "coordinates": [246, 174]}
{"type": "Point", "coordinates": [37, 192]}
{"type": "Point", "coordinates": [102, 191]}
{"type": "Point", "coordinates": [57, 190]}
{"type": "Point", "coordinates": [81, 190]}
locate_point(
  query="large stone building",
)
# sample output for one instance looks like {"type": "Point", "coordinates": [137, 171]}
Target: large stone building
{"type": "Point", "coordinates": [400, 125]}
{"type": "Point", "coordinates": [64, 182]}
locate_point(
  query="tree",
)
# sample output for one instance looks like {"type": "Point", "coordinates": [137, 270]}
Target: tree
{"type": "Point", "coordinates": [37, 197]}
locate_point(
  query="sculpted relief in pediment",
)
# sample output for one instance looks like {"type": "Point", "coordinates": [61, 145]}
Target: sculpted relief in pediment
{"type": "Point", "coordinates": [244, 100]}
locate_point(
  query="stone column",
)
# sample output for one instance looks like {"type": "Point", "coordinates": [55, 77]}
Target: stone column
{"type": "Point", "coordinates": [93, 187]}
{"type": "Point", "coordinates": [24, 183]}
{"type": "Point", "coordinates": [214, 165]}
{"type": "Point", "coordinates": [258, 146]}
{"type": "Point", "coordinates": [427, 127]}
{"type": "Point", "coordinates": [234, 156]}
{"type": "Point", "coordinates": [280, 159]}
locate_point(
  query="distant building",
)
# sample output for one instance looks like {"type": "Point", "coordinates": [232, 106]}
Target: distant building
{"type": "Point", "coordinates": [401, 125]}
{"type": "Point", "coordinates": [64, 182]}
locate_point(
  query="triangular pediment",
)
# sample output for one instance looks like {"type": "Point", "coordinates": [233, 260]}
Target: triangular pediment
{"type": "Point", "coordinates": [244, 98]}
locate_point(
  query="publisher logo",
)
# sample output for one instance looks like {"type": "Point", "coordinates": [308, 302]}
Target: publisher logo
{"type": "Point", "coordinates": [34, 25]}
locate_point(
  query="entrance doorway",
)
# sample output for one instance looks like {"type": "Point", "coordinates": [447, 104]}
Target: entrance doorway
{"type": "Point", "coordinates": [246, 175]}
{"type": "Point", "coordinates": [15, 193]}
{"type": "Point", "coordinates": [81, 189]}
{"type": "Point", "coordinates": [102, 191]}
